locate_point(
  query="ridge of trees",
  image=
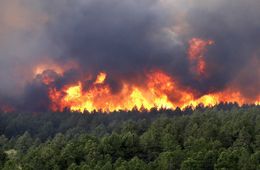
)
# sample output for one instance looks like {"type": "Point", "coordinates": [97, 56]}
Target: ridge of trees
{"type": "Point", "coordinates": [225, 136]}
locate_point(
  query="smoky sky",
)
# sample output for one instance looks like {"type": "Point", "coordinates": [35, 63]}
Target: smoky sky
{"type": "Point", "coordinates": [133, 36]}
{"type": "Point", "coordinates": [126, 38]}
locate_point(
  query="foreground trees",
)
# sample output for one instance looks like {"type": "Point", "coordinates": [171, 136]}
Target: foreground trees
{"type": "Point", "coordinates": [209, 138]}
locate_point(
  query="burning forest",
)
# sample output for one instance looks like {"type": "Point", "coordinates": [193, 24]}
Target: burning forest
{"type": "Point", "coordinates": [105, 56]}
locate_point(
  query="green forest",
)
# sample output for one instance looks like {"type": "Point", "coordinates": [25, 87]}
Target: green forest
{"type": "Point", "coordinates": [224, 137]}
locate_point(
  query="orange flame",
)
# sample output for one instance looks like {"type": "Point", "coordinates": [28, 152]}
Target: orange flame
{"type": "Point", "coordinates": [101, 78]}
{"type": "Point", "coordinates": [100, 96]}
{"type": "Point", "coordinates": [159, 91]}
{"type": "Point", "coordinates": [196, 52]}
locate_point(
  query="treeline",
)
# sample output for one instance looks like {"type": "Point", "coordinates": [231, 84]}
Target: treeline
{"type": "Point", "coordinates": [221, 137]}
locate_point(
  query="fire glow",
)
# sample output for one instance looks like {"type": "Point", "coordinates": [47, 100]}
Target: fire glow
{"type": "Point", "coordinates": [158, 89]}
{"type": "Point", "coordinates": [196, 52]}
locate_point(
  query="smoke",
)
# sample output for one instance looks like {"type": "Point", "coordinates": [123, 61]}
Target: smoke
{"type": "Point", "coordinates": [22, 43]}
{"type": "Point", "coordinates": [126, 39]}
{"type": "Point", "coordinates": [233, 26]}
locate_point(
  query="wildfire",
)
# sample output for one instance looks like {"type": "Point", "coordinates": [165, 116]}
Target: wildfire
{"type": "Point", "coordinates": [101, 78]}
{"type": "Point", "coordinates": [100, 97]}
{"type": "Point", "coordinates": [159, 91]}
{"type": "Point", "coordinates": [43, 67]}
{"type": "Point", "coordinates": [196, 52]}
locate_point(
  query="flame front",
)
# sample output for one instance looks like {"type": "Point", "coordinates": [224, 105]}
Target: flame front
{"type": "Point", "coordinates": [159, 91]}
{"type": "Point", "coordinates": [100, 97]}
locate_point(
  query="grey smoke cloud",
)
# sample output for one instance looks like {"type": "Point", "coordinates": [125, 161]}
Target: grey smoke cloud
{"type": "Point", "coordinates": [22, 43]}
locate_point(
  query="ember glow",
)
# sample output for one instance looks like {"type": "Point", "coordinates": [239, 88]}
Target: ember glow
{"type": "Point", "coordinates": [7, 108]}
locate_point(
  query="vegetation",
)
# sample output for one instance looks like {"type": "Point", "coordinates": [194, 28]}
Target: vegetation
{"type": "Point", "coordinates": [221, 137]}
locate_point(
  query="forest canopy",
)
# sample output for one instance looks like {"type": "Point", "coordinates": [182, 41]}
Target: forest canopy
{"type": "Point", "coordinates": [225, 136]}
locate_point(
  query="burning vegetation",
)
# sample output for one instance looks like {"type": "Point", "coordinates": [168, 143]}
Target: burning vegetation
{"type": "Point", "coordinates": [157, 89]}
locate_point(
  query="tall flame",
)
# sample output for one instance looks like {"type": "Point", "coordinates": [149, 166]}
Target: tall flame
{"type": "Point", "coordinates": [160, 91]}
{"type": "Point", "coordinates": [100, 96]}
